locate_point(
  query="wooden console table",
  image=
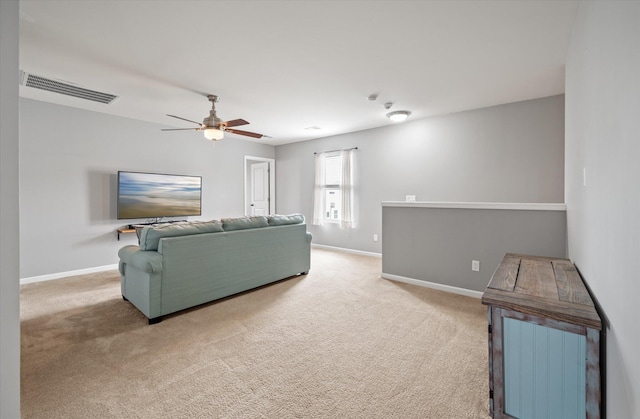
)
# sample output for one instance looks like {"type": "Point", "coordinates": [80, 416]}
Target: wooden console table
{"type": "Point", "coordinates": [131, 228]}
{"type": "Point", "coordinates": [544, 340]}
{"type": "Point", "coordinates": [125, 231]}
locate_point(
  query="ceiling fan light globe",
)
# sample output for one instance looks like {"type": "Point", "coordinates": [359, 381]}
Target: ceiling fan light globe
{"type": "Point", "coordinates": [213, 134]}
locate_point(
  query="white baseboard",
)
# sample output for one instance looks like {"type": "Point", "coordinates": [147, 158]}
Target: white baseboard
{"type": "Point", "coordinates": [59, 275]}
{"type": "Point", "coordinates": [345, 250]}
{"type": "Point", "coordinates": [434, 285]}
{"type": "Point", "coordinates": [427, 284]}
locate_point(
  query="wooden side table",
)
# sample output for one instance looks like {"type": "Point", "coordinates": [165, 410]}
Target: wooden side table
{"type": "Point", "coordinates": [544, 340]}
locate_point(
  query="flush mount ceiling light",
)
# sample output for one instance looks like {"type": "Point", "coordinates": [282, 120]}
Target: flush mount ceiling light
{"type": "Point", "coordinates": [398, 116]}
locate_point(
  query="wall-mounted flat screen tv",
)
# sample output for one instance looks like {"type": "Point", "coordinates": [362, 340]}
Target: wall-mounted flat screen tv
{"type": "Point", "coordinates": [155, 195]}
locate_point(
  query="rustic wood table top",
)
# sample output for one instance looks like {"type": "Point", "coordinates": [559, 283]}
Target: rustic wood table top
{"type": "Point", "coordinates": [542, 286]}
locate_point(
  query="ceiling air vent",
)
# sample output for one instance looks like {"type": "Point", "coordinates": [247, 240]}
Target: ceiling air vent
{"type": "Point", "coordinates": [43, 83]}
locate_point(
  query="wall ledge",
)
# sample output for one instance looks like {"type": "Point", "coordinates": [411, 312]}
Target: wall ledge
{"type": "Point", "coordinates": [532, 206]}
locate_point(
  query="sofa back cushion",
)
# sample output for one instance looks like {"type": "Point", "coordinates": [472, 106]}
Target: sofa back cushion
{"type": "Point", "coordinates": [150, 236]}
{"type": "Point", "coordinates": [280, 220]}
{"type": "Point", "coordinates": [244, 223]}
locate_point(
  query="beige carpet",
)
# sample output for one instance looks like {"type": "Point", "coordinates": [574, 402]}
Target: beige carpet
{"type": "Point", "coordinates": [338, 343]}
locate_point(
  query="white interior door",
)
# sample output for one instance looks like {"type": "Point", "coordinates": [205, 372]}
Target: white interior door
{"type": "Point", "coordinates": [260, 188]}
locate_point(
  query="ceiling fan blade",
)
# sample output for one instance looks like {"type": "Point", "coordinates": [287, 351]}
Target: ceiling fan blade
{"type": "Point", "coordinates": [247, 133]}
{"type": "Point", "coordinates": [179, 129]}
{"type": "Point", "coordinates": [236, 122]}
{"type": "Point", "coordinates": [185, 119]}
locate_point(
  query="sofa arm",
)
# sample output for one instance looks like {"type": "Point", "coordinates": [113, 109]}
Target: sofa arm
{"type": "Point", "coordinates": [309, 237]}
{"type": "Point", "coordinates": [145, 260]}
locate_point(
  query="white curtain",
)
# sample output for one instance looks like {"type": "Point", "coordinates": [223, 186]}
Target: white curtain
{"type": "Point", "coordinates": [318, 191]}
{"type": "Point", "coordinates": [347, 220]}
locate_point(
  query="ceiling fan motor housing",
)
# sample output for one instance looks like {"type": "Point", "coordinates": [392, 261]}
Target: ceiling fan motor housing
{"type": "Point", "coordinates": [212, 120]}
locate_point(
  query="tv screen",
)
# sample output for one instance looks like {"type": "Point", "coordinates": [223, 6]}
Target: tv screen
{"type": "Point", "coordinates": [155, 195]}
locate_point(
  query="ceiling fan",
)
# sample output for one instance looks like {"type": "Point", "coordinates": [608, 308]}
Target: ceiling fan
{"type": "Point", "coordinates": [213, 127]}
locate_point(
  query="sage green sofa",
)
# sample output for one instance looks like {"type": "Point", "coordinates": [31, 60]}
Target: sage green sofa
{"type": "Point", "coordinates": [182, 265]}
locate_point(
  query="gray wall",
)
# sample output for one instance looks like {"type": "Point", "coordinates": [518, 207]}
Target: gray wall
{"type": "Point", "coordinates": [603, 136]}
{"type": "Point", "coordinates": [9, 231]}
{"type": "Point", "coordinates": [506, 153]}
{"type": "Point", "coordinates": [438, 244]}
{"type": "Point", "coordinates": [69, 159]}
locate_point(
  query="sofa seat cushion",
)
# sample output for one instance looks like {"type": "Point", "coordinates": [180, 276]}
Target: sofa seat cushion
{"type": "Point", "coordinates": [147, 261]}
{"type": "Point", "coordinates": [280, 220]}
{"type": "Point", "coordinates": [150, 236]}
{"type": "Point", "coordinates": [244, 223]}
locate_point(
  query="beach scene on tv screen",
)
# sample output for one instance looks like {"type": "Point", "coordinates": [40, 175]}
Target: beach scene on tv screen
{"type": "Point", "coordinates": [146, 195]}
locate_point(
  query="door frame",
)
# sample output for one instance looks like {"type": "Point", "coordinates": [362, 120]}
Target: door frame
{"type": "Point", "coordinates": [248, 161]}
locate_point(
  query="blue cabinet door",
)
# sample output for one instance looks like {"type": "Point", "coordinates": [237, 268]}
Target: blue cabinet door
{"type": "Point", "coordinates": [544, 371]}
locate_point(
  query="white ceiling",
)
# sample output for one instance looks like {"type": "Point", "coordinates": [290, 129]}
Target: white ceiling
{"type": "Point", "coordinates": [288, 65]}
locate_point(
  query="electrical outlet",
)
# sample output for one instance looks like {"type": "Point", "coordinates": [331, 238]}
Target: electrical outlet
{"type": "Point", "coordinates": [475, 265]}
{"type": "Point", "coordinates": [375, 237]}
{"type": "Point", "coordinates": [411, 198]}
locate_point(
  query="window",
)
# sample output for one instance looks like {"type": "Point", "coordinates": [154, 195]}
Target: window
{"type": "Point", "coordinates": [333, 195]}
{"type": "Point", "coordinates": [332, 188]}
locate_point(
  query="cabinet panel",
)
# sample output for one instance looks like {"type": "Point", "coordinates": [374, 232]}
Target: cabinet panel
{"type": "Point", "coordinates": [544, 371]}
